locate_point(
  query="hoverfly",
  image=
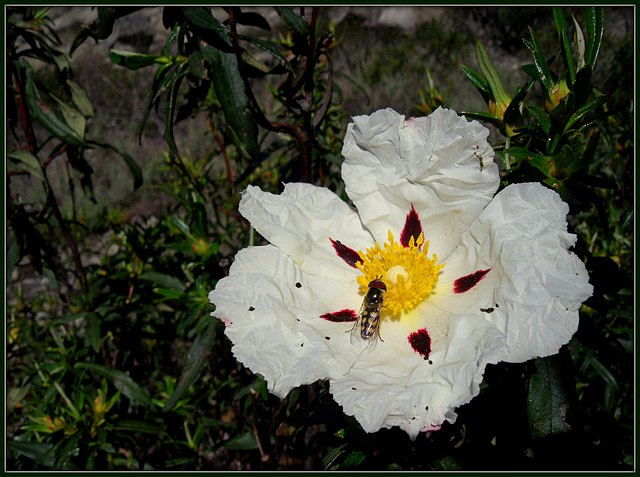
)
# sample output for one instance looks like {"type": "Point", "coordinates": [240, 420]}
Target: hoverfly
{"type": "Point", "coordinates": [369, 315]}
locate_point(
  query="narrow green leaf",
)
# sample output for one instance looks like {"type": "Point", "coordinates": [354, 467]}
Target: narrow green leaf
{"type": "Point", "coordinates": [587, 108]}
{"type": "Point", "coordinates": [330, 458]}
{"type": "Point", "coordinates": [495, 83]}
{"type": "Point", "coordinates": [137, 426]}
{"type": "Point", "coordinates": [136, 393]}
{"type": "Point", "coordinates": [28, 162]}
{"type": "Point", "coordinates": [201, 16]}
{"type": "Point", "coordinates": [168, 294]}
{"type": "Point", "coordinates": [578, 38]}
{"type": "Point", "coordinates": [561, 26]}
{"type": "Point", "coordinates": [42, 453]}
{"type": "Point", "coordinates": [172, 97]}
{"type": "Point", "coordinates": [478, 81]}
{"type": "Point", "coordinates": [539, 161]}
{"type": "Point", "coordinates": [541, 117]}
{"type": "Point", "coordinates": [47, 117]}
{"type": "Point", "coordinates": [180, 225]}
{"type": "Point", "coordinates": [539, 61]}
{"type": "Point", "coordinates": [447, 463]}
{"type": "Point", "coordinates": [230, 90]}
{"type": "Point", "coordinates": [353, 460]}
{"type": "Point", "coordinates": [73, 411]}
{"type": "Point", "coordinates": [595, 30]}
{"type": "Point", "coordinates": [72, 116]}
{"type": "Point", "coordinates": [549, 395]}
{"type": "Point", "coordinates": [605, 373]}
{"type": "Point", "coordinates": [270, 47]}
{"type": "Point", "coordinates": [195, 362]}
{"type": "Point", "coordinates": [162, 78]}
{"type": "Point", "coordinates": [294, 21]}
{"type": "Point", "coordinates": [135, 61]}
{"type": "Point", "coordinates": [80, 99]}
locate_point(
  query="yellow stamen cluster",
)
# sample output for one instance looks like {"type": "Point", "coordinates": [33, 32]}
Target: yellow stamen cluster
{"type": "Point", "coordinates": [407, 272]}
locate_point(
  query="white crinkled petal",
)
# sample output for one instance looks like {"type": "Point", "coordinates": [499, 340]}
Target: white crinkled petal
{"type": "Point", "coordinates": [392, 385]}
{"type": "Point", "coordinates": [272, 309]}
{"type": "Point", "coordinates": [301, 221]}
{"type": "Point", "coordinates": [432, 163]}
{"type": "Point", "coordinates": [536, 285]}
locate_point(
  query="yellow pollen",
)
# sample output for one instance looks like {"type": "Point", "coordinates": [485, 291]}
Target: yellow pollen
{"type": "Point", "coordinates": [407, 272]}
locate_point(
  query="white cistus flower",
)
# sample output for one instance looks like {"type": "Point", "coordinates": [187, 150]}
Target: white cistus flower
{"type": "Point", "coordinates": [402, 302]}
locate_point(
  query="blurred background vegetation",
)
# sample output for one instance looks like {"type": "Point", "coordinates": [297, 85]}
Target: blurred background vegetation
{"type": "Point", "coordinates": [122, 184]}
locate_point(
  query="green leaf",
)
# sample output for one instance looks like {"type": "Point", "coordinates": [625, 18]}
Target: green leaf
{"type": "Point", "coordinates": [544, 74]}
{"type": "Point", "coordinates": [270, 47]}
{"type": "Point", "coordinates": [137, 426]}
{"type": "Point", "coordinates": [136, 393]}
{"type": "Point", "coordinates": [134, 61]}
{"type": "Point", "coordinates": [72, 116]}
{"type": "Point", "coordinates": [587, 108]}
{"type": "Point", "coordinates": [541, 117]}
{"type": "Point", "coordinates": [201, 16]}
{"type": "Point", "coordinates": [28, 162]}
{"type": "Point", "coordinates": [294, 21]}
{"type": "Point", "coordinates": [230, 90]}
{"type": "Point", "coordinates": [478, 81]}
{"type": "Point", "coordinates": [561, 26]}
{"type": "Point", "coordinates": [549, 395]}
{"type": "Point", "coordinates": [165, 75]}
{"type": "Point", "coordinates": [446, 464]}
{"type": "Point", "coordinates": [330, 458]}
{"type": "Point", "coordinates": [73, 411]}
{"type": "Point", "coordinates": [578, 38]}
{"type": "Point", "coordinates": [195, 362]}
{"type": "Point", "coordinates": [42, 453]}
{"type": "Point", "coordinates": [47, 117]}
{"type": "Point", "coordinates": [495, 83]}
{"type": "Point", "coordinates": [172, 97]}
{"type": "Point", "coordinates": [595, 29]}
{"type": "Point", "coordinates": [80, 98]}
{"type": "Point", "coordinates": [242, 442]}
{"type": "Point", "coordinates": [353, 460]}
{"type": "Point", "coordinates": [539, 161]}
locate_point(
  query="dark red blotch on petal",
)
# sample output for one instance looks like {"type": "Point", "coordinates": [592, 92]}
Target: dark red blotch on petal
{"type": "Point", "coordinates": [341, 316]}
{"type": "Point", "coordinates": [420, 341]}
{"type": "Point", "coordinates": [412, 228]}
{"type": "Point", "coordinates": [345, 253]}
{"type": "Point", "coordinates": [464, 284]}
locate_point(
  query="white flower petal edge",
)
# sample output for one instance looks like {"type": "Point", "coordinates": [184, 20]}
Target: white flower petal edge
{"type": "Point", "coordinates": [536, 285]}
{"type": "Point", "coordinates": [272, 309]}
{"type": "Point", "coordinates": [301, 221]}
{"type": "Point", "coordinates": [441, 164]}
{"type": "Point", "coordinates": [394, 386]}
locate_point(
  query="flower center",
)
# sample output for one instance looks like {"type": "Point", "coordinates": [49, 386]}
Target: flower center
{"type": "Point", "coordinates": [407, 271]}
